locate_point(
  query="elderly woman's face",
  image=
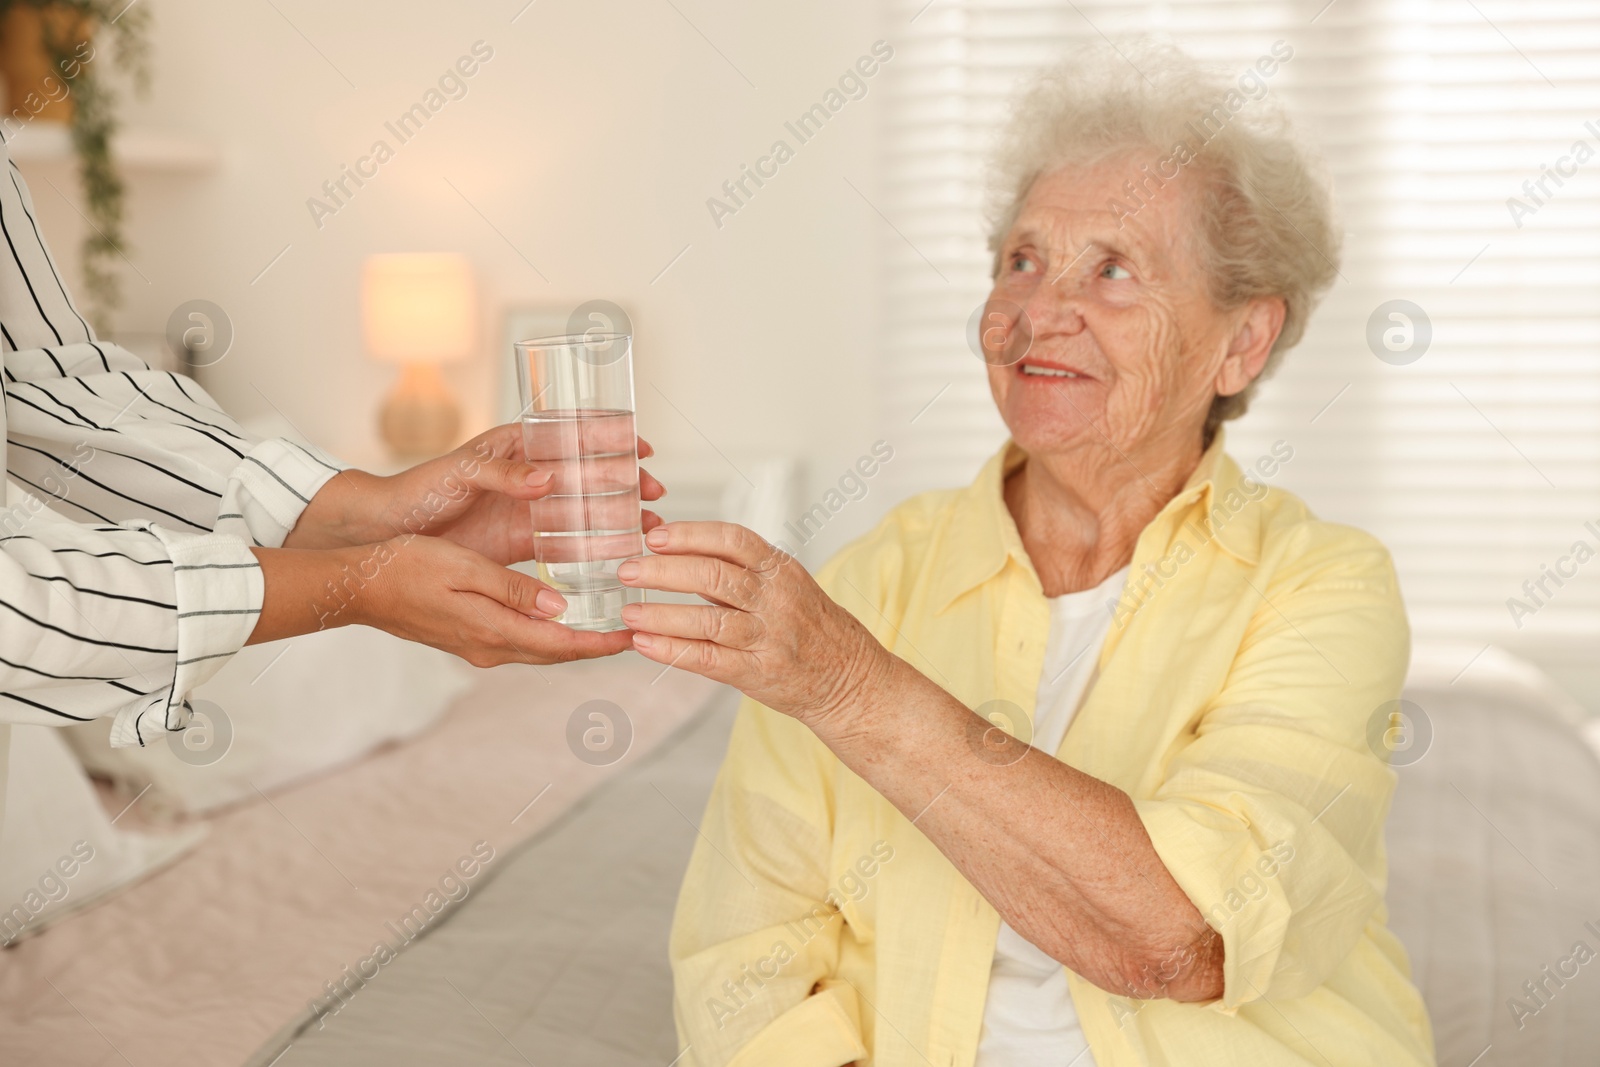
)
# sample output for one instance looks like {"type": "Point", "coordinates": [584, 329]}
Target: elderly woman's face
{"type": "Point", "coordinates": [1122, 341]}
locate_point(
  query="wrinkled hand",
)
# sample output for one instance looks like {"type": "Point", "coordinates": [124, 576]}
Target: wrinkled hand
{"type": "Point", "coordinates": [432, 590]}
{"type": "Point", "coordinates": [478, 495]}
{"type": "Point", "coordinates": [769, 629]}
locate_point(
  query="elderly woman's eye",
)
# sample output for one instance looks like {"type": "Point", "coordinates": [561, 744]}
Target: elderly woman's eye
{"type": "Point", "coordinates": [1021, 261]}
{"type": "Point", "coordinates": [1115, 272]}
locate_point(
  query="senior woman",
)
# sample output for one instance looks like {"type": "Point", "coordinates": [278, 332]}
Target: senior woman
{"type": "Point", "coordinates": [1193, 872]}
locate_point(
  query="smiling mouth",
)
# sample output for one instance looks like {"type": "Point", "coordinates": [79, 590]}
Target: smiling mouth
{"type": "Point", "coordinates": [1035, 371]}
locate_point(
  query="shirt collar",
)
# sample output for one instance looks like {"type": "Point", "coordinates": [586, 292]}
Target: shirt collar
{"type": "Point", "coordinates": [980, 535]}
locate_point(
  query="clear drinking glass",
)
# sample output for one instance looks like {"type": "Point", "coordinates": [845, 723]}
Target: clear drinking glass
{"type": "Point", "coordinates": [577, 418]}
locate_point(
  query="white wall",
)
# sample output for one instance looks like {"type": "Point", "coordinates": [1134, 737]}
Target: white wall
{"type": "Point", "coordinates": [591, 140]}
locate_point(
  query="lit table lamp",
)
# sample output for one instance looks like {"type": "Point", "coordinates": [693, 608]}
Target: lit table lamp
{"type": "Point", "coordinates": [419, 310]}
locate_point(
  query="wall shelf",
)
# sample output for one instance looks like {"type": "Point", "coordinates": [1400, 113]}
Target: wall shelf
{"type": "Point", "coordinates": [136, 149]}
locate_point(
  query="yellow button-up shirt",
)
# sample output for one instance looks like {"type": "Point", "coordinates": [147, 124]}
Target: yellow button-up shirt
{"type": "Point", "coordinates": [1240, 701]}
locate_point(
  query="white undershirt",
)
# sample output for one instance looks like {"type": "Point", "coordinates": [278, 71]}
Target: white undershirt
{"type": "Point", "coordinates": [1028, 1018]}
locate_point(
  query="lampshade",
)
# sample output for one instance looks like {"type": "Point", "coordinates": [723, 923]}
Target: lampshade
{"type": "Point", "coordinates": [418, 307]}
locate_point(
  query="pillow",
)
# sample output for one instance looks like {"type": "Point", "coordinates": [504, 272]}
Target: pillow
{"type": "Point", "coordinates": [279, 712]}
{"type": "Point", "coordinates": [1493, 671]}
{"type": "Point", "coordinates": [59, 850]}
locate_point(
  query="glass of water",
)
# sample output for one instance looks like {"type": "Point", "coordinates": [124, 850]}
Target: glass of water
{"type": "Point", "coordinates": [578, 419]}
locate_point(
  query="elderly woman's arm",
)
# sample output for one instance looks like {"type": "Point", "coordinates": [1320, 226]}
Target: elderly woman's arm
{"type": "Point", "coordinates": [1061, 855]}
{"type": "Point", "coordinates": [1107, 885]}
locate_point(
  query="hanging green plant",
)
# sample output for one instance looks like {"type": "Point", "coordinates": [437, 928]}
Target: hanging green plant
{"type": "Point", "coordinates": [54, 70]}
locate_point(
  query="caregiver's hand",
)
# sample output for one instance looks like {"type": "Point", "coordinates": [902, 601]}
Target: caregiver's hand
{"type": "Point", "coordinates": [476, 496]}
{"type": "Point", "coordinates": [424, 589]}
{"type": "Point", "coordinates": [769, 631]}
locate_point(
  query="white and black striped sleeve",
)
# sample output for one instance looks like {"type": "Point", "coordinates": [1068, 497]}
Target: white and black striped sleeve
{"type": "Point", "coordinates": [108, 439]}
{"type": "Point", "coordinates": [116, 620]}
{"type": "Point", "coordinates": [125, 610]}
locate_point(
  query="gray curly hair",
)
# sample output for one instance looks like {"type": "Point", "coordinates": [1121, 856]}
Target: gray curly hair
{"type": "Point", "coordinates": [1267, 226]}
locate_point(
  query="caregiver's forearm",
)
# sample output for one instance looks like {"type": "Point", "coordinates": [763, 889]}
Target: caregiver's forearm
{"type": "Point", "coordinates": [299, 595]}
{"type": "Point", "coordinates": [1060, 854]}
{"type": "Point", "coordinates": [346, 511]}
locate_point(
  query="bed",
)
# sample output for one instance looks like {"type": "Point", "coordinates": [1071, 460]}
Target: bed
{"type": "Point", "coordinates": [1494, 861]}
{"type": "Point", "coordinates": [557, 953]}
{"type": "Point", "coordinates": [207, 959]}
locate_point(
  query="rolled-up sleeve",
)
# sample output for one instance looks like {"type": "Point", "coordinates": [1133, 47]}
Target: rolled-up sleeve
{"type": "Point", "coordinates": [105, 438]}
{"type": "Point", "coordinates": [126, 576]}
{"type": "Point", "coordinates": [1271, 819]}
{"type": "Point", "coordinates": [116, 620]}
{"type": "Point", "coordinates": [157, 474]}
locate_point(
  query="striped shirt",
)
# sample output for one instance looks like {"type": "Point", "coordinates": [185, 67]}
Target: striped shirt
{"type": "Point", "coordinates": [126, 576]}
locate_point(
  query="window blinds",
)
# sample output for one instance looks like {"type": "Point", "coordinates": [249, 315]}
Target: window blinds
{"type": "Point", "coordinates": [1478, 461]}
